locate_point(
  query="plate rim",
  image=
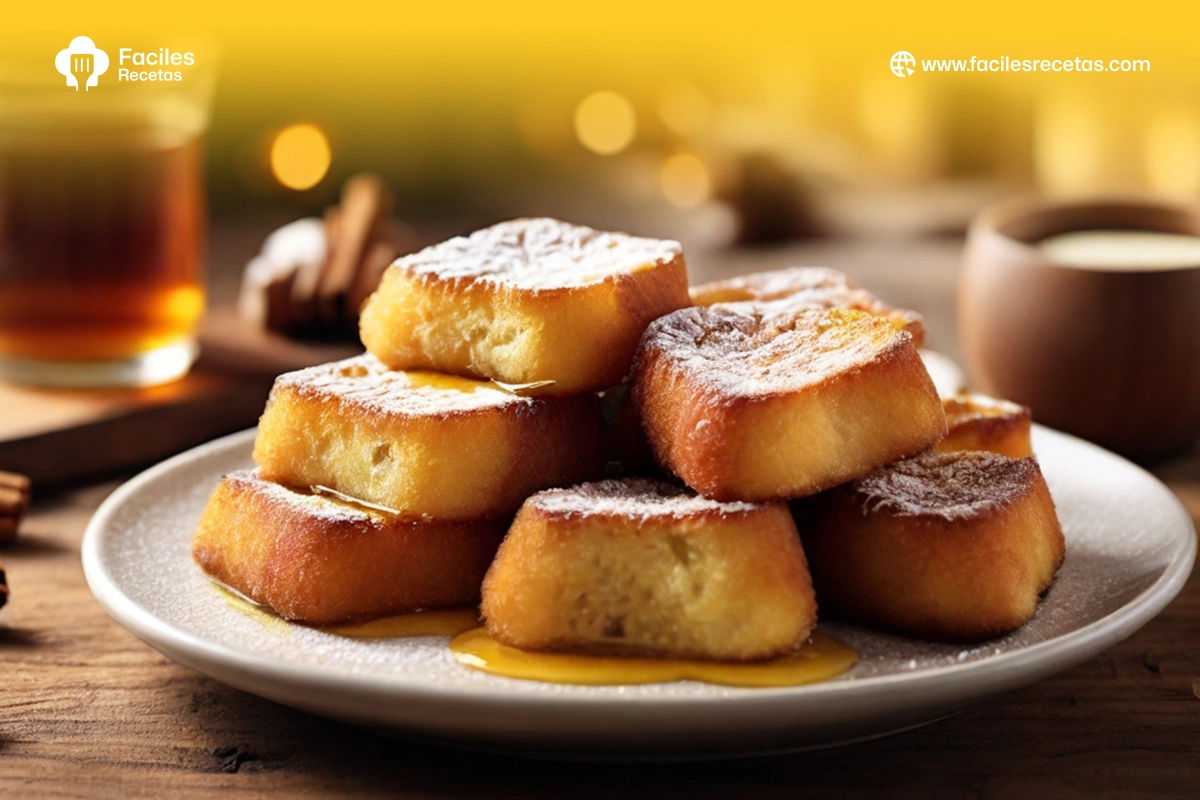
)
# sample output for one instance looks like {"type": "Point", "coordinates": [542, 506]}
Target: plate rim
{"type": "Point", "coordinates": [984, 677]}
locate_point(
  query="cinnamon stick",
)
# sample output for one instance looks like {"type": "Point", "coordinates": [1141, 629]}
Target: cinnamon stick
{"type": "Point", "coordinates": [320, 297]}
{"type": "Point", "coordinates": [14, 502]}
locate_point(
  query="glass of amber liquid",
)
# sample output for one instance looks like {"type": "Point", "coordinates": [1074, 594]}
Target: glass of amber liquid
{"type": "Point", "coordinates": [102, 225]}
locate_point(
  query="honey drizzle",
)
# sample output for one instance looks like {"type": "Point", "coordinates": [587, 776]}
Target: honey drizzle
{"type": "Point", "coordinates": [531, 389]}
{"type": "Point", "coordinates": [823, 657]}
{"type": "Point", "coordinates": [355, 503]}
{"type": "Point", "coordinates": [820, 659]}
{"type": "Point", "coordinates": [435, 622]}
{"type": "Point", "coordinates": [438, 380]}
{"type": "Point", "coordinates": [264, 616]}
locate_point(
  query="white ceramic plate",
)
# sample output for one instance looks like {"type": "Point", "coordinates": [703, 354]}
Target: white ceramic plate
{"type": "Point", "coordinates": [1130, 548]}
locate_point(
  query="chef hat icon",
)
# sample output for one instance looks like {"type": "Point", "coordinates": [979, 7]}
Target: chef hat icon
{"type": "Point", "coordinates": [81, 46]}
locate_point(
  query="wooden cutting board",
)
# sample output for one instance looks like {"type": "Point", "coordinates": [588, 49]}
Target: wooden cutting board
{"type": "Point", "coordinates": [61, 436]}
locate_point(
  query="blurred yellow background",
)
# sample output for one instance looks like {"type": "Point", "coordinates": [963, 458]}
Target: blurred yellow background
{"type": "Point", "coordinates": [788, 115]}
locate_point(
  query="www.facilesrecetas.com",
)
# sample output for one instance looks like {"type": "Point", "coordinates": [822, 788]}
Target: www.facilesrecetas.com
{"type": "Point", "coordinates": [1006, 64]}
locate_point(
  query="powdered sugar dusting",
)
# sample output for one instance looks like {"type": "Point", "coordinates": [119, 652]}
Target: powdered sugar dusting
{"type": "Point", "coordinates": [953, 486]}
{"type": "Point", "coordinates": [365, 382]}
{"type": "Point", "coordinates": [744, 349]}
{"type": "Point", "coordinates": [796, 287]}
{"type": "Point", "coordinates": [296, 503]}
{"type": "Point", "coordinates": [807, 285]}
{"type": "Point", "coordinates": [634, 498]}
{"type": "Point", "coordinates": [538, 254]}
{"type": "Point", "coordinates": [965, 406]}
{"type": "Point", "coordinates": [820, 283]}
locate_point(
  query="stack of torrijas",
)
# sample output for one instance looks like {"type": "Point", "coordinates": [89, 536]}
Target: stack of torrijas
{"type": "Point", "coordinates": [386, 481]}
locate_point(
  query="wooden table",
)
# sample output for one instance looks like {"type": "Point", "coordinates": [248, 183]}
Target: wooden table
{"type": "Point", "coordinates": [87, 710]}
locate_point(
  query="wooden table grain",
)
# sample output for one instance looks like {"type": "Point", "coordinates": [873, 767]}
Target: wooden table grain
{"type": "Point", "coordinates": [87, 710]}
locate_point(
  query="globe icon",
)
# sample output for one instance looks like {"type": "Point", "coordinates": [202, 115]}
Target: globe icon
{"type": "Point", "coordinates": [902, 64]}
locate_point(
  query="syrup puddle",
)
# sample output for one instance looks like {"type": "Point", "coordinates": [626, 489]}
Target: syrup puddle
{"type": "Point", "coordinates": [437, 622]}
{"type": "Point", "coordinates": [823, 657]}
{"type": "Point", "coordinates": [247, 607]}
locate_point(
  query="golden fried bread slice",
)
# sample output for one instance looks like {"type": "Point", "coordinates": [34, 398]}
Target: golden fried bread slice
{"type": "Point", "coordinates": [805, 286]}
{"type": "Point", "coordinates": [526, 301]}
{"type": "Point", "coordinates": [954, 546]}
{"type": "Point", "coordinates": [422, 443]}
{"type": "Point", "coordinates": [744, 404]}
{"type": "Point", "coordinates": [643, 567]}
{"type": "Point", "coordinates": [319, 560]}
{"type": "Point", "coordinates": [979, 422]}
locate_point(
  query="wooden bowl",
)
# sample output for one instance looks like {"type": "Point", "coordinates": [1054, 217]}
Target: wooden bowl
{"type": "Point", "coordinates": [1112, 355]}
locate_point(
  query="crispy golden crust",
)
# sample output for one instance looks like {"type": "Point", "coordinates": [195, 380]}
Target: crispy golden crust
{"type": "Point", "coordinates": [951, 546]}
{"type": "Point", "coordinates": [743, 404]}
{"type": "Point", "coordinates": [796, 287]}
{"type": "Point", "coordinates": [640, 567]}
{"type": "Point", "coordinates": [979, 422]}
{"type": "Point", "coordinates": [424, 444]}
{"type": "Point", "coordinates": [317, 560]}
{"type": "Point", "coordinates": [526, 301]}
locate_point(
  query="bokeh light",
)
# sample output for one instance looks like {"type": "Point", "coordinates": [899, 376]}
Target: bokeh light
{"type": "Point", "coordinates": [686, 181]}
{"type": "Point", "coordinates": [605, 123]}
{"type": "Point", "coordinates": [300, 156]}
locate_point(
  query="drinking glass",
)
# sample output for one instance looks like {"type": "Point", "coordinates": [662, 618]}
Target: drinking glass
{"type": "Point", "coordinates": [102, 224]}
